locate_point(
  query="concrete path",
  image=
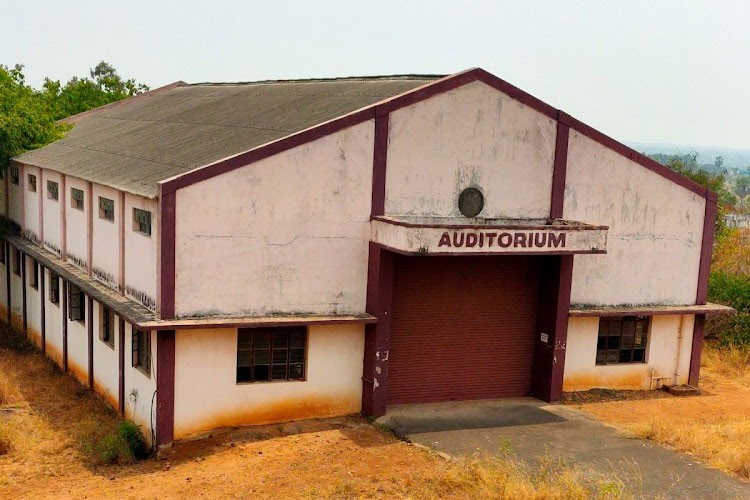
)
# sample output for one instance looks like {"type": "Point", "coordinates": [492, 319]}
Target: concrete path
{"type": "Point", "coordinates": [530, 429]}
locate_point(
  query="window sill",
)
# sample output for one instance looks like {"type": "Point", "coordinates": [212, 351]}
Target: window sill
{"type": "Point", "coordinates": [146, 373]}
{"type": "Point", "coordinates": [263, 382]}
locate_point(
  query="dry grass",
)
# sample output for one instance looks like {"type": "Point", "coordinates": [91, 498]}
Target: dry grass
{"type": "Point", "coordinates": [714, 427]}
{"type": "Point", "coordinates": [731, 362]}
{"type": "Point", "coordinates": [724, 445]}
{"type": "Point", "coordinates": [491, 478]}
{"type": "Point", "coordinates": [10, 394]}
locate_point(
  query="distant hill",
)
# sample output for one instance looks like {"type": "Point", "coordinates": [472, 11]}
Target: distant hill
{"type": "Point", "coordinates": [733, 158]}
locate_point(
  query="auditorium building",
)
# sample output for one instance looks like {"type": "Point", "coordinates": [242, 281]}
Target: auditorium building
{"type": "Point", "coordinates": [208, 255]}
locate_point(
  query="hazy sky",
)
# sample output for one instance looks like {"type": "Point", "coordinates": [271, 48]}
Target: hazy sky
{"type": "Point", "coordinates": [653, 71]}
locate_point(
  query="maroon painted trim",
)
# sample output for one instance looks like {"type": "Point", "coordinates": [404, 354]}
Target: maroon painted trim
{"type": "Point", "coordinates": [377, 336]}
{"type": "Point", "coordinates": [121, 367]}
{"type": "Point", "coordinates": [411, 97]}
{"type": "Point", "coordinates": [207, 323]}
{"type": "Point", "coordinates": [642, 160]}
{"type": "Point", "coordinates": [484, 254]}
{"type": "Point", "coordinates": [24, 300]}
{"type": "Point", "coordinates": [90, 332]}
{"type": "Point", "coordinates": [707, 246]}
{"type": "Point", "coordinates": [6, 187]}
{"type": "Point", "coordinates": [265, 151]}
{"type": "Point", "coordinates": [559, 170]}
{"type": "Point", "coordinates": [43, 306]}
{"type": "Point", "coordinates": [379, 164]}
{"type": "Point", "coordinates": [459, 79]}
{"type": "Point", "coordinates": [64, 311]}
{"type": "Point", "coordinates": [90, 227]}
{"type": "Point", "coordinates": [561, 327]}
{"type": "Point", "coordinates": [121, 253]}
{"type": "Point", "coordinates": [168, 268]}
{"type": "Point", "coordinates": [696, 349]}
{"type": "Point", "coordinates": [549, 225]}
{"type": "Point", "coordinates": [61, 200]}
{"type": "Point", "coordinates": [40, 205]}
{"type": "Point", "coordinates": [165, 360]}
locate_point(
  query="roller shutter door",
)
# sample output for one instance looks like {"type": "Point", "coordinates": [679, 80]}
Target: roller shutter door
{"type": "Point", "coordinates": [462, 328]}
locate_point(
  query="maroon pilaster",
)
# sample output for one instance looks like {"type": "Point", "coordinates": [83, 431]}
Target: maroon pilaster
{"type": "Point", "coordinates": [377, 336]}
{"type": "Point", "coordinates": [90, 331]}
{"type": "Point", "coordinates": [165, 358]}
{"type": "Point", "coordinates": [560, 166]}
{"type": "Point", "coordinates": [709, 229]}
{"type": "Point", "coordinates": [43, 307]}
{"type": "Point", "coordinates": [379, 164]}
{"type": "Point", "coordinates": [701, 294]}
{"type": "Point", "coordinates": [552, 327]}
{"type": "Point", "coordinates": [121, 365]}
{"type": "Point", "coordinates": [697, 349]}
{"type": "Point", "coordinates": [64, 312]}
{"type": "Point", "coordinates": [167, 251]}
{"type": "Point", "coordinates": [24, 305]}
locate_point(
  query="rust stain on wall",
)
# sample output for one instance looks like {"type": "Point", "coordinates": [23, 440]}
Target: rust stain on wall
{"type": "Point", "coordinates": [635, 380]}
{"type": "Point", "coordinates": [78, 372]}
{"type": "Point", "coordinates": [106, 395]}
{"type": "Point", "coordinates": [35, 336]}
{"type": "Point", "coordinates": [299, 408]}
{"type": "Point", "coordinates": [54, 354]}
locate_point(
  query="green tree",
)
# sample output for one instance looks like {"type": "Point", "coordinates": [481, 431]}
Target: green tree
{"type": "Point", "coordinates": [25, 120]}
{"type": "Point", "coordinates": [103, 86]}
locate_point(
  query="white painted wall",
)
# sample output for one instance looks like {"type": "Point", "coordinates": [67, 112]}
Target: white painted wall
{"type": "Point", "coordinates": [473, 136]}
{"type": "Point", "coordinates": [139, 387]}
{"type": "Point", "coordinates": [14, 192]}
{"type": "Point", "coordinates": [53, 326]}
{"type": "Point", "coordinates": [106, 364]}
{"type": "Point", "coordinates": [76, 225]}
{"type": "Point", "coordinates": [655, 230]}
{"type": "Point", "coordinates": [582, 373]}
{"type": "Point", "coordinates": [33, 306]}
{"type": "Point", "coordinates": [31, 223]}
{"type": "Point", "coordinates": [52, 217]}
{"type": "Point", "coordinates": [140, 253]}
{"type": "Point", "coordinates": [16, 296]}
{"type": "Point", "coordinates": [289, 233]}
{"type": "Point", "coordinates": [106, 238]}
{"type": "Point", "coordinates": [208, 397]}
{"type": "Point", "coordinates": [78, 349]}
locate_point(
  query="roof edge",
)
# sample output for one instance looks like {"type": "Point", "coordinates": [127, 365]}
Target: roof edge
{"type": "Point", "coordinates": [413, 96]}
{"type": "Point", "coordinates": [83, 114]}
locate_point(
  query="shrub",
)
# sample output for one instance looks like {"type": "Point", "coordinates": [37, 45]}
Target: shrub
{"type": "Point", "coordinates": [123, 446]}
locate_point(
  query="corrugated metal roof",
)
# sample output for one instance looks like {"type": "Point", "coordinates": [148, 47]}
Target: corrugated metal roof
{"type": "Point", "coordinates": [155, 136]}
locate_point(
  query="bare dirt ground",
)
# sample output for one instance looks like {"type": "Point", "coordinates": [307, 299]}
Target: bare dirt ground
{"type": "Point", "coordinates": [715, 427]}
{"type": "Point", "coordinates": [49, 426]}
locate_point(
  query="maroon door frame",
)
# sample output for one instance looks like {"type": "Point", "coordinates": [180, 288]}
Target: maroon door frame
{"type": "Point", "coordinates": [549, 355]}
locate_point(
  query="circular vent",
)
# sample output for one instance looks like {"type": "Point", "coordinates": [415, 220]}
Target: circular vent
{"type": "Point", "coordinates": [470, 202]}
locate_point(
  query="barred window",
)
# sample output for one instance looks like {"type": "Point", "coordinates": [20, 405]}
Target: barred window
{"type": "Point", "coordinates": [32, 183]}
{"type": "Point", "coordinates": [142, 221]}
{"type": "Point", "coordinates": [53, 190]}
{"type": "Point", "coordinates": [76, 198]}
{"type": "Point", "coordinates": [17, 259]}
{"type": "Point", "coordinates": [34, 275]}
{"type": "Point", "coordinates": [106, 209]}
{"type": "Point", "coordinates": [76, 303]}
{"type": "Point", "coordinates": [268, 354]}
{"type": "Point", "coordinates": [107, 326]}
{"type": "Point", "coordinates": [14, 175]}
{"type": "Point", "coordinates": [141, 350]}
{"type": "Point", "coordinates": [622, 340]}
{"type": "Point", "coordinates": [54, 287]}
